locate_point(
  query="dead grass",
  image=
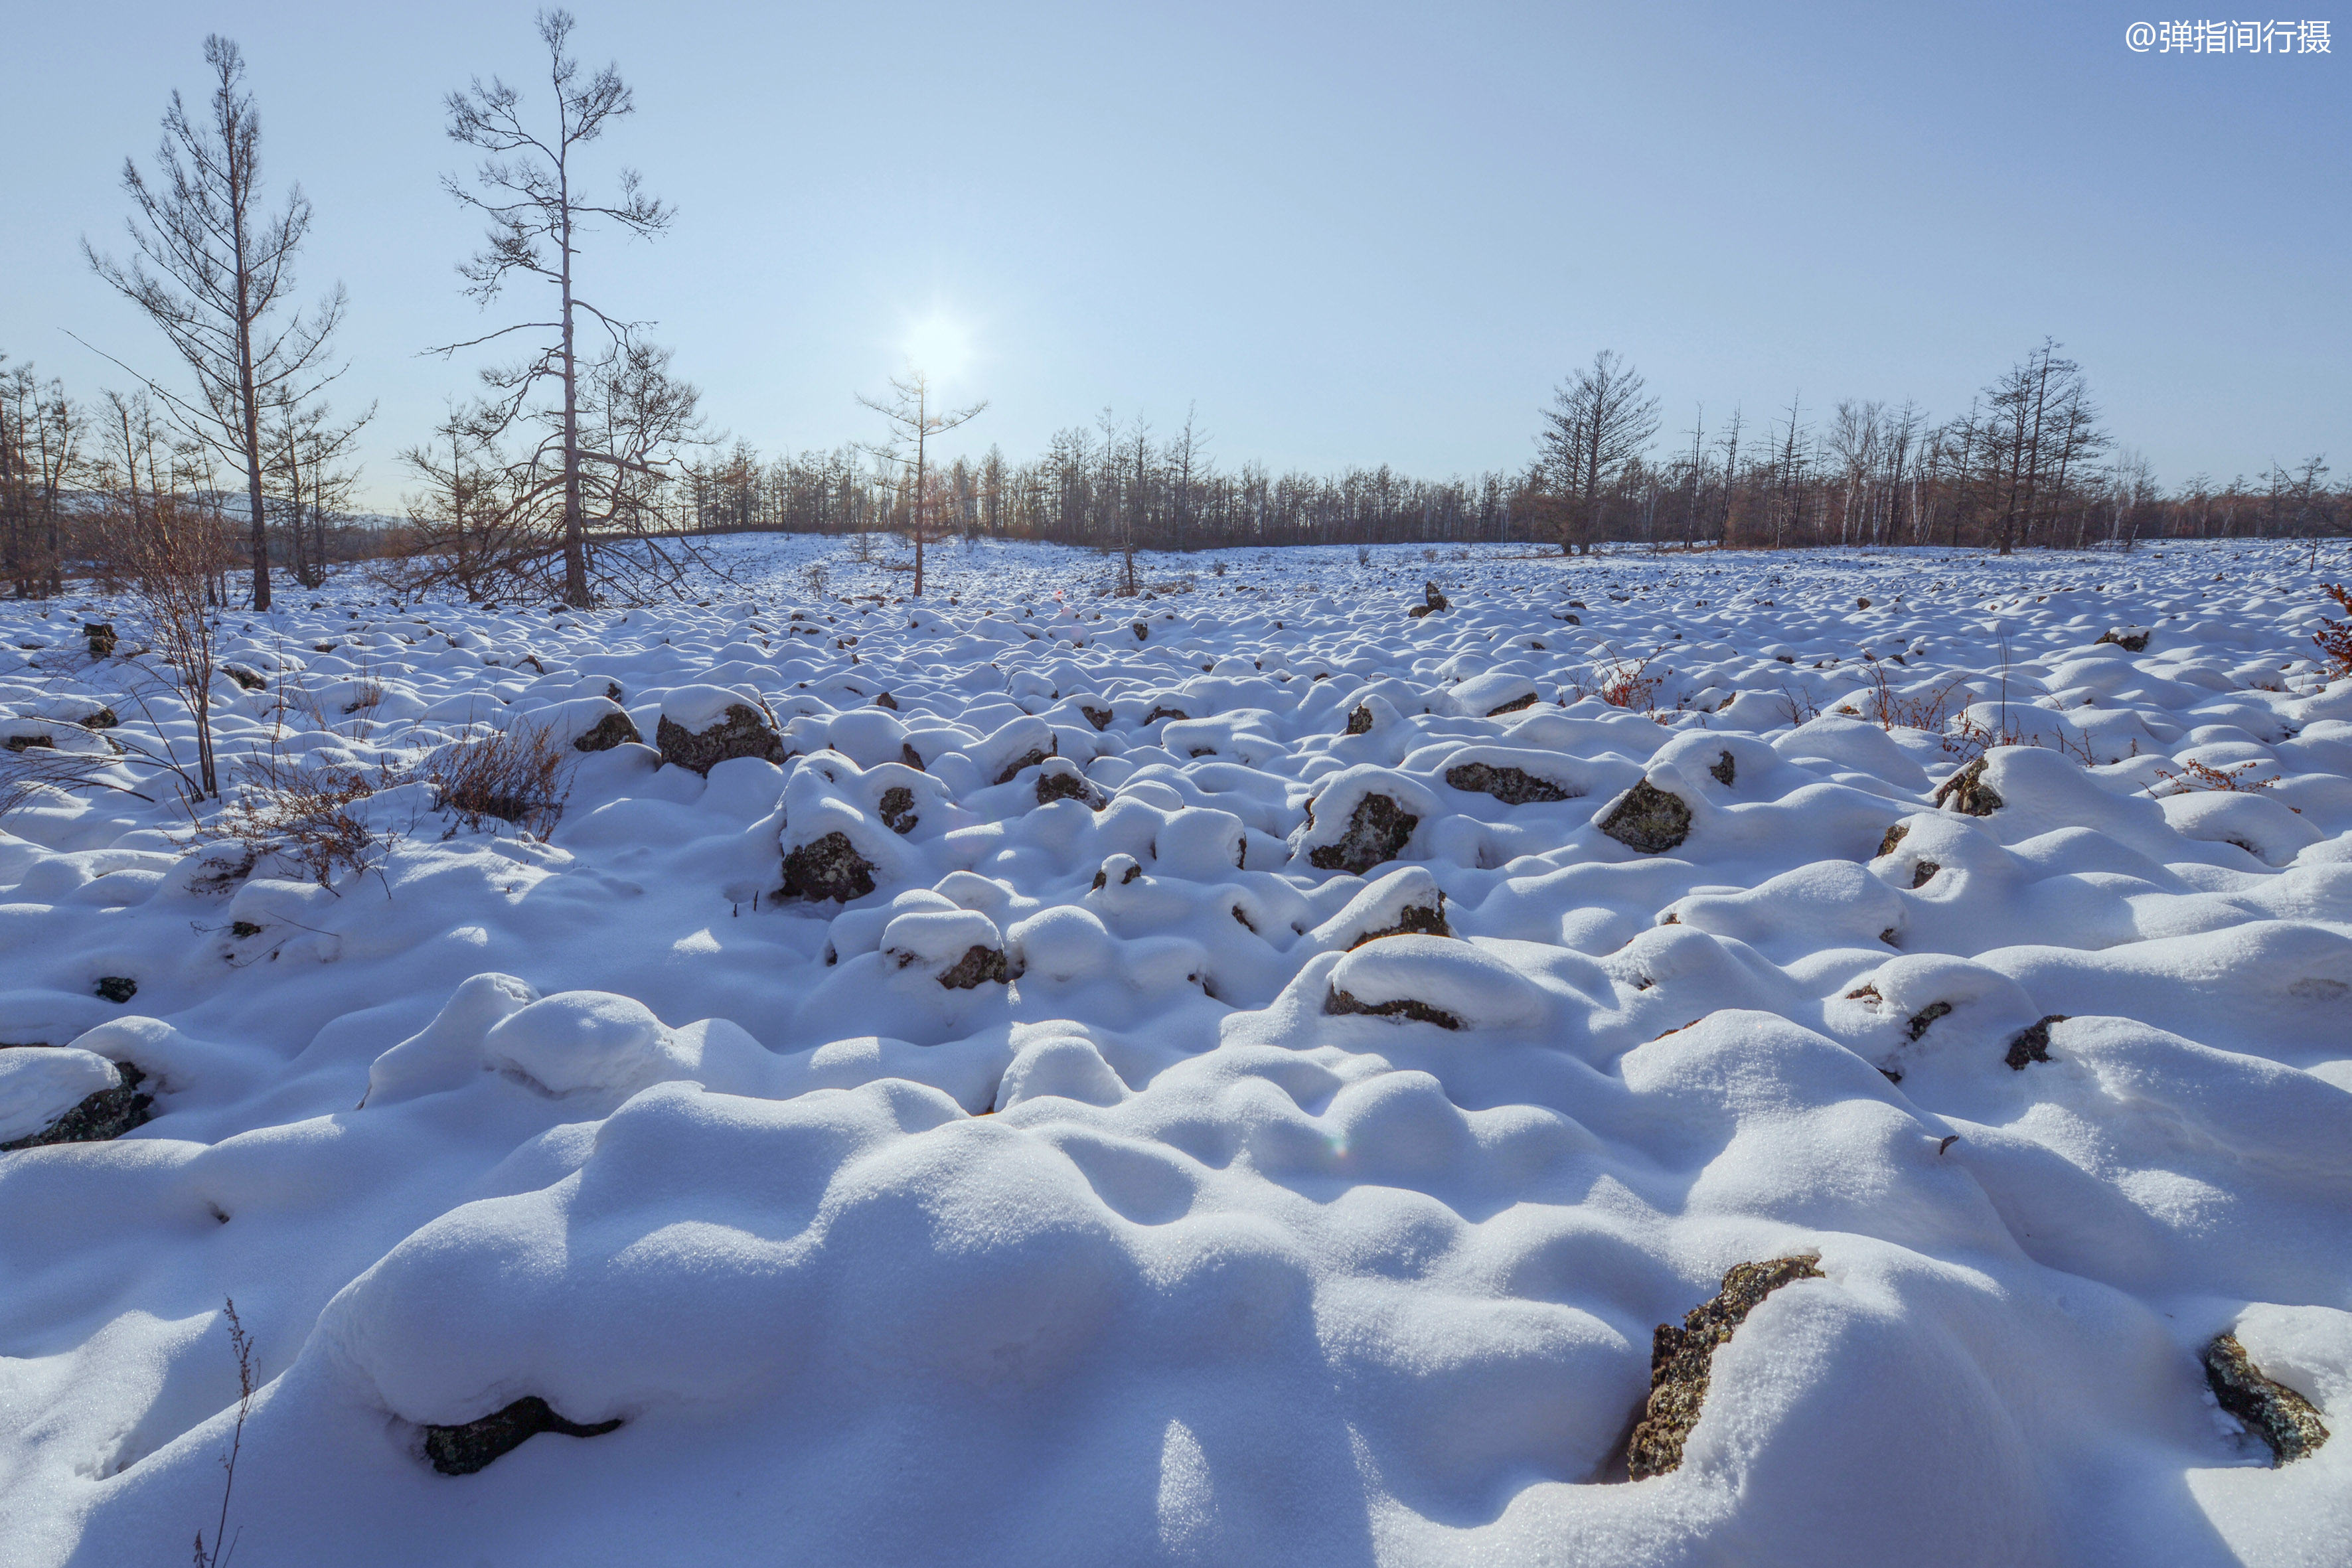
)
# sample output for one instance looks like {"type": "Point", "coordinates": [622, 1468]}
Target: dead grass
{"type": "Point", "coordinates": [2198, 778]}
{"type": "Point", "coordinates": [520, 775]}
{"type": "Point", "coordinates": [2335, 638]}
{"type": "Point", "coordinates": [300, 810]}
{"type": "Point", "coordinates": [1893, 711]}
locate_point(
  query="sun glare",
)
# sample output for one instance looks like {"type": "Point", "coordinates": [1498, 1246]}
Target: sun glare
{"type": "Point", "coordinates": [937, 345]}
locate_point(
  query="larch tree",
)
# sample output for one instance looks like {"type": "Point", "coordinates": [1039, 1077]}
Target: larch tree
{"type": "Point", "coordinates": [525, 186]}
{"type": "Point", "coordinates": [915, 415]}
{"type": "Point", "coordinates": [215, 271]}
{"type": "Point", "coordinates": [1601, 419]}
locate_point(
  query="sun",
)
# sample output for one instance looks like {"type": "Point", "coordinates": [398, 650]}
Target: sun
{"type": "Point", "coordinates": [938, 345]}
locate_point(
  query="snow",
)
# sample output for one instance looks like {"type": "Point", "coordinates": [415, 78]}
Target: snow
{"type": "Point", "coordinates": [39, 1084]}
{"type": "Point", "coordinates": [1247, 1217]}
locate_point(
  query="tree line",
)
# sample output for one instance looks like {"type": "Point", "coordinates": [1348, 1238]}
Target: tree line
{"type": "Point", "coordinates": [582, 468]}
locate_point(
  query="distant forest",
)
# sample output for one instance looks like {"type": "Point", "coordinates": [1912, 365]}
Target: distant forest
{"type": "Point", "coordinates": [582, 466]}
{"type": "Point", "coordinates": [2028, 464]}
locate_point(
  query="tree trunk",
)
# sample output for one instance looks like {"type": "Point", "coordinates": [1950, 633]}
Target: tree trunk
{"type": "Point", "coordinates": [251, 409]}
{"type": "Point", "coordinates": [575, 530]}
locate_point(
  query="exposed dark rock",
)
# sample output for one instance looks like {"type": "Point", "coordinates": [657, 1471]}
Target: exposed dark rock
{"type": "Point", "coordinates": [2033, 1044]}
{"type": "Point", "coordinates": [1515, 704]}
{"type": "Point", "coordinates": [108, 1114]}
{"type": "Point", "coordinates": [1923, 873]}
{"type": "Point", "coordinates": [1377, 831]}
{"type": "Point", "coordinates": [1068, 783]}
{"type": "Point", "coordinates": [2131, 640]}
{"type": "Point", "coordinates": [886, 700]}
{"type": "Point", "coordinates": [462, 1450]}
{"type": "Point", "coordinates": [1967, 792]}
{"type": "Point", "coordinates": [1030, 759]}
{"type": "Point", "coordinates": [1142, 632]}
{"type": "Point", "coordinates": [1925, 1015]}
{"type": "Point", "coordinates": [1099, 717]}
{"type": "Point", "coordinates": [1724, 769]}
{"type": "Point", "coordinates": [743, 732]}
{"type": "Point", "coordinates": [898, 809]}
{"type": "Point", "coordinates": [1413, 920]}
{"type": "Point", "coordinates": [2272, 1411]}
{"type": "Point", "coordinates": [1156, 714]}
{"type": "Point", "coordinates": [1420, 1012]}
{"type": "Point", "coordinates": [1512, 786]}
{"type": "Point", "coordinates": [117, 988]}
{"type": "Point", "coordinates": [1681, 1360]}
{"type": "Point", "coordinates": [1895, 836]}
{"type": "Point", "coordinates": [1360, 721]}
{"type": "Point", "coordinates": [251, 679]}
{"type": "Point", "coordinates": [828, 868]}
{"type": "Point", "coordinates": [612, 729]}
{"type": "Point", "coordinates": [1102, 877]}
{"type": "Point", "coordinates": [100, 635]}
{"type": "Point", "coordinates": [979, 964]}
{"type": "Point", "coordinates": [1648, 820]}
{"type": "Point", "coordinates": [912, 757]}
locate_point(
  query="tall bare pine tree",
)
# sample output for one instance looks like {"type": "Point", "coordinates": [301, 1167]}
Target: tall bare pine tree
{"type": "Point", "coordinates": [215, 272]}
{"type": "Point", "coordinates": [525, 187]}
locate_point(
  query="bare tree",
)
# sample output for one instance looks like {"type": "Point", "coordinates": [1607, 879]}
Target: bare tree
{"type": "Point", "coordinates": [174, 554]}
{"type": "Point", "coordinates": [1600, 419]}
{"type": "Point", "coordinates": [461, 528]}
{"type": "Point", "coordinates": [215, 273]}
{"type": "Point", "coordinates": [524, 186]}
{"type": "Point", "coordinates": [310, 452]}
{"type": "Point", "coordinates": [44, 457]}
{"type": "Point", "coordinates": [1185, 463]}
{"type": "Point", "coordinates": [20, 399]}
{"type": "Point", "coordinates": [914, 419]}
{"type": "Point", "coordinates": [1855, 438]}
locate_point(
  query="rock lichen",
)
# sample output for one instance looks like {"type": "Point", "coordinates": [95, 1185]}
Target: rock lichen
{"type": "Point", "coordinates": [2276, 1414]}
{"type": "Point", "coordinates": [743, 731]}
{"type": "Point", "coordinates": [462, 1449]}
{"type": "Point", "coordinates": [1682, 1358]}
{"type": "Point", "coordinates": [1377, 830]}
{"type": "Point", "coordinates": [828, 868]}
{"type": "Point", "coordinates": [1649, 820]}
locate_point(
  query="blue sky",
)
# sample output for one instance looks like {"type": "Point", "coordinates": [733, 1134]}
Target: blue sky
{"type": "Point", "coordinates": [1350, 233]}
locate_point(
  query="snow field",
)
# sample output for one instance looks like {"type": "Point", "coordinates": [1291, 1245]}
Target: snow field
{"type": "Point", "coordinates": [1277, 1078]}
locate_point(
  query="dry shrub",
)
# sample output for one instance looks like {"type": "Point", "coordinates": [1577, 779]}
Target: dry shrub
{"type": "Point", "coordinates": [1629, 684]}
{"type": "Point", "coordinates": [1969, 738]}
{"type": "Point", "coordinates": [2335, 638]}
{"type": "Point", "coordinates": [1893, 711]}
{"type": "Point", "coordinates": [300, 810]}
{"type": "Point", "coordinates": [2199, 776]}
{"type": "Point", "coordinates": [520, 775]}
{"type": "Point", "coordinates": [33, 772]}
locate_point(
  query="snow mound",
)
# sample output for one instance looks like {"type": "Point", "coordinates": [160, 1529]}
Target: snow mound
{"type": "Point", "coordinates": [1237, 1075]}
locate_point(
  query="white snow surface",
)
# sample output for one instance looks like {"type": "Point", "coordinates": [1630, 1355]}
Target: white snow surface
{"type": "Point", "coordinates": [1140, 1254]}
